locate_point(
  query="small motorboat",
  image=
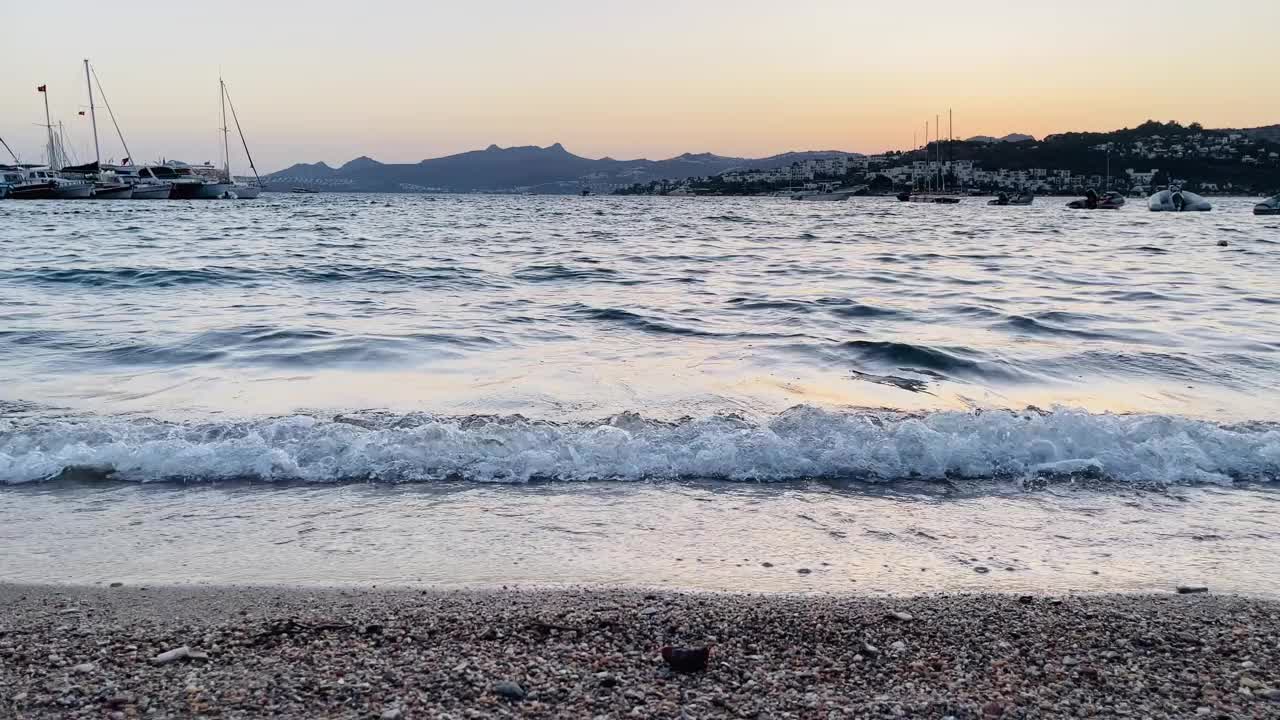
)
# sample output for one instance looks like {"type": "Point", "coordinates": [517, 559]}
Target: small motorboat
{"type": "Point", "coordinates": [829, 192]}
{"type": "Point", "coordinates": [928, 198]}
{"type": "Point", "coordinates": [1177, 200]}
{"type": "Point", "coordinates": [1111, 201]}
{"type": "Point", "coordinates": [304, 191]}
{"type": "Point", "coordinates": [1019, 199]}
{"type": "Point", "coordinates": [1270, 206]}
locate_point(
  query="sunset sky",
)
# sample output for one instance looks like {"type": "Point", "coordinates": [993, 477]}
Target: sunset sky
{"type": "Point", "coordinates": [402, 81]}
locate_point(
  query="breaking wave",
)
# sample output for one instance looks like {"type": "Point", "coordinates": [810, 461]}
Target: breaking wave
{"type": "Point", "coordinates": [802, 443]}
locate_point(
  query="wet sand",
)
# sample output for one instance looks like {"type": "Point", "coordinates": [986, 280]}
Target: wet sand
{"type": "Point", "coordinates": [266, 652]}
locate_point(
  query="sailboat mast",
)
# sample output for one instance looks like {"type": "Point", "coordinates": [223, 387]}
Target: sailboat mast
{"type": "Point", "coordinates": [93, 115]}
{"type": "Point", "coordinates": [236, 118]}
{"type": "Point", "coordinates": [937, 132]}
{"type": "Point", "coordinates": [226, 147]}
{"type": "Point", "coordinates": [112, 114]}
{"type": "Point", "coordinates": [928, 175]}
{"type": "Point", "coordinates": [48, 123]}
{"type": "Point", "coordinates": [11, 152]}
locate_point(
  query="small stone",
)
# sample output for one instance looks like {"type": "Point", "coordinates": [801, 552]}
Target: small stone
{"type": "Point", "coordinates": [488, 634]}
{"type": "Point", "coordinates": [509, 690]}
{"type": "Point", "coordinates": [1026, 599]}
{"type": "Point", "coordinates": [19, 697]}
{"type": "Point", "coordinates": [982, 569]}
{"type": "Point", "coordinates": [899, 646]}
{"type": "Point", "coordinates": [84, 668]}
{"type": "Point", "coordinates": [117, 584]}
{"type": "Point", "coordinates": [1191, 589]}
{"type": "Point", "coordinates": [70, 611]}
{"type": "Point", "coordinates": [120, 700]}
{"type": "Point", "coordinates": [1223, 243]}
{"type": "Point", "coordinates": [901, 616]}
{"type": "Point", "coordinates": [392, 714]}
{"type": "Point", "coordinates": [651, 610]}
{"type": "Point", "coordinates": [804, 571]}
{"type": "Point", "coordinates": [169, 656]}
{"type": "Point", "coordinates": [117, 715]}
{"type": "Point", "coordinates": [766, 564]}
{"type": "Point", "coordinates": [993, 709]}
{"type": "Point", "coordinates": [1204, 710]}
{"type": "Point", "coordinates": [1070, 661]}
{"type": "Point", "coordinates": [1251, 683]}
{"type": "Point", "coordinates": [870, 650]}
{"type": "Point", "coordinates": [606, 680]}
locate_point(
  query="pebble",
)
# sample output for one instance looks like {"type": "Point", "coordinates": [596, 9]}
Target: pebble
{"type": "Point", "coordinates": [84, 668]}
{"type": "Point", "coordinates": [1192, 589]}
{"type": "Point", "coordinates": [993, 709]}
{"type": "Point", "coordinates": [1223, 243]}
{"type": "Point", "coordinates": [804, 571]}
{"type": "Point", "coordinates": [902, 616]}
{"type": "Point", "coordinates": [392, 714]}
{"type": "Point", "coordinates": [899, 646]}
{"type": "Point", "coordinates": [509, 690]}
{"type": "Point", "coordinates": [173, 655]}
{"type": "Point", "coordinates": [983, 569]}
{"type": "Point", "coordinates": [117, 584]}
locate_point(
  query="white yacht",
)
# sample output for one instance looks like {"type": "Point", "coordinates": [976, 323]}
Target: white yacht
{"type": "Point", "coordinates": [186, 183]}
{"type": "Point", "coordinates": [1270, 206]}
{"type": "Point", "coordinates": [43, 183]}
{"type": "Point", "coordinates": [146, 186]}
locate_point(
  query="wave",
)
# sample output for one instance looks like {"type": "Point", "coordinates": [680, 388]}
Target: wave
{"type": "Point", "coordinates": [802, 443]}
{"type": "Point", "coordinates": [138, 278]}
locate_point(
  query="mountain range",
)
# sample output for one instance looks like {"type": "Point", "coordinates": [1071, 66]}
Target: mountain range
{"type": "Point", "coordinates": [530, 168]}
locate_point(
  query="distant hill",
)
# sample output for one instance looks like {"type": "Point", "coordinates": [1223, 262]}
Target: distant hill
{"type": "Point", "coordinates": [1246, 159]}
{"type": "Point", "coordinates": [518, 169]}
{"type": "Point", "coordinates": [1010, 138]}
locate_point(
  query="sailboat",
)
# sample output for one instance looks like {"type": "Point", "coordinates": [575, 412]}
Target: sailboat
{"type": "Point", "coordinates": [50, 177]}
{"type": "Point", "coordinates": [929, 196]}
{"type": "Point", "coordinates": [112, 180]}
{"type": "Point", "coordinates": [238, 190]}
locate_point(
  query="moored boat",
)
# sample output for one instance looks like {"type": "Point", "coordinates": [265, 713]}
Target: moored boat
{"type": "Point", "coordinates": [145, 185]}
{"type": "Point", "coordinates": [238, 190]}
{"type": "Point", "coordinates": [829, 192]}
{"type": "Point", "coordinates": [1270, 206]}
{"type": "Point", "coordinates": [927, 197]}
{"type": "Point", "coordinates": [1092, 201]}
{"type": "Point", "coordinates": [1002, 199]}
{"type": "Point", "coordinates": [1177, 200]}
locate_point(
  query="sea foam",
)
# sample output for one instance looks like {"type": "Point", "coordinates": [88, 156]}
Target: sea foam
{"type": "Point", "coordinates": [802, 443]}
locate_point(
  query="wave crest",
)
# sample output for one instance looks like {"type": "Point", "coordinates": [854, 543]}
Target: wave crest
{"type": "Point", "coordinates": [802, 443]}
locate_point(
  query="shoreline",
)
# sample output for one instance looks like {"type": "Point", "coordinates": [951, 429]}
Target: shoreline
{"type": "Point", "coordinates": [70, 652]}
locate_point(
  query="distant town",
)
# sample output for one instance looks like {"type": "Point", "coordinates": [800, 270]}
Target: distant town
{"type": "Point", "coordinates": [1129, 161]}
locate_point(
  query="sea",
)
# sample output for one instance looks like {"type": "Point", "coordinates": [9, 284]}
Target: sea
{"type": "Point", "coordinates": [714, 394]}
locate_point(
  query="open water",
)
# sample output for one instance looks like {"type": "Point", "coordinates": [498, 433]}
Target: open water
{"type": "Point", "coordinates": [461, 390]}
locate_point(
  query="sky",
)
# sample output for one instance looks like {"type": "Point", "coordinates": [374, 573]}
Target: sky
{"type": "Point", "coordinates": [402, 81]}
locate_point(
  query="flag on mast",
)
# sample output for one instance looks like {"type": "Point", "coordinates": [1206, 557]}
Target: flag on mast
{"type": "Point", "coordinates": [42, 88]}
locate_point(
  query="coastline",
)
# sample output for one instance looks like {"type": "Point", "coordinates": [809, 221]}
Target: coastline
{"type": "Point", "coordinates": [361, 653]}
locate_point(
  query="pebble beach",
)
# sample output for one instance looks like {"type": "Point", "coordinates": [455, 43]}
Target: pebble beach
{"type": "Point", "coordinates": [134, 652]}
